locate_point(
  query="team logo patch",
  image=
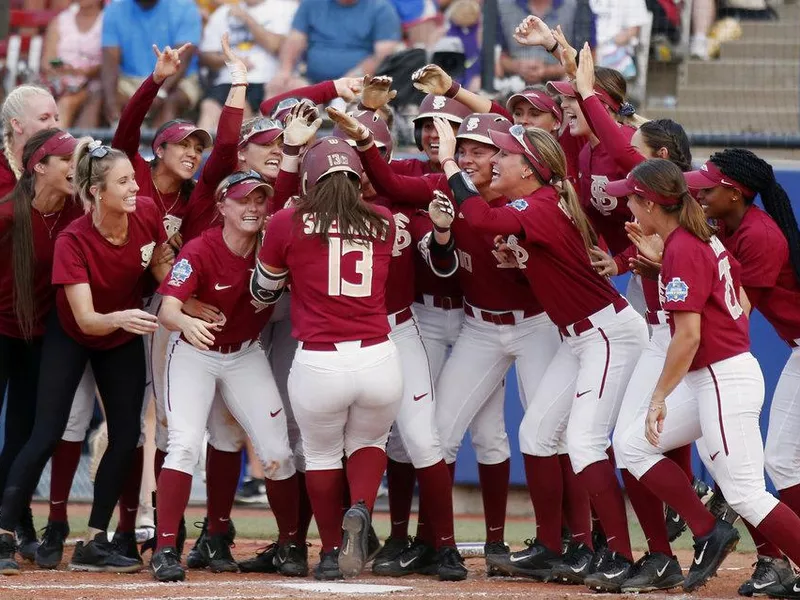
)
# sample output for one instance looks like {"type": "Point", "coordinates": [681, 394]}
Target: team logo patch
{"type": "Point", "coordinates": [676, 290]}
{"type": "Point", "coordinates": [472, 123]}
{"type": "Point", "coordinates": [181, 271]}
{"type": "Point", "coordinates": [439, 102]}
{"type": "Point", "coordinates": [519, 204]}
{"type": "Point", "coordinates": [147, 253]}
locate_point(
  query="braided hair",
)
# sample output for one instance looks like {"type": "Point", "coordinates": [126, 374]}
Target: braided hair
{"type": "Point", "coordinates": [757, 174]}
{"type": "Point", "coordinates": [666, 133]}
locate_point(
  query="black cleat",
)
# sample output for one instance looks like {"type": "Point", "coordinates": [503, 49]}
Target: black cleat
{"type": "Point", "coordinates": [494, 549]}
{"type": "Point", "coordinates": [125, 543]}
{"type": "Point", "coordinates": [612, 570]}
{"type": "Point", "coordinates": [655, 571]}
{"type": "Point", "coordinates": [599, 541]}
{"type": "Point", "coordinates": [418, 558]}
{"type": "Point", "coordinates": [8, 550]}
{"type": "Point", "coordinates": [789, 590]}
{"type": "Point", "coordinates": [101, 556]}
{"type": "Point", "coordinates": [355, 547]}
{"type": "Point", "coordinates": [328, 567]}
{"type": "Point", "coordinates": [451, 564]}
{"type": "Point", "coordinates": [574, 566]}
{"type": "Point", "coordinates": [566, 538]}
{"type": "Point", "coordinates": [291, 559]}
{"type": "Point", "coordinates": [392, 548]}
{"type": "Point", "coordinates": [262, 562]}
{"type": "Point", "coordinates": [770, 575]}
{"type": "Point", "coordinates": [27, 542]}
{"type": "Point", "coordinates": [165, 565]}
{"type": "Point", "coordinates": [709, 552]}
{"type": "Point", "coordinates": [217, 551]}
{"type": "Point", "coordinates": [373, 544]}
{"type": "Point", "coordinates": [535, 561]}
{"type": "Point", "coordinates": [720, 508]}
{"type": "Point", "coordinates": [51, 549]}
{"type": "Point", "coordinates": [196, 559]}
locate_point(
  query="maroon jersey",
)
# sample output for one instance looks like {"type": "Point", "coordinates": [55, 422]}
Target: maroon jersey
{"type": "Point", "coordinates": [7, 178]}
{"type": "Point", "coordinates": [208, 270]}
{"type": "Point", "coordinates": [400, 285]}
{"type": "Point", "coordinates": [338, 287]}
{"type": "Point", "coordinates": [704, 278]}
{"type": "Point", "coordinates": [767, 274]}
{"type": "Point", "coordinates": [45, 229]}
{"type": "Point", "coordinates": [319, 93]}
{"type": "Point", "coordinates": [411, 167]}
{"type": "Point", "coordinates": [426, 281]}
{"type": "Point", "coordinates": [551, 253]}
{"type": "Point", "coordinates": [115, 274]}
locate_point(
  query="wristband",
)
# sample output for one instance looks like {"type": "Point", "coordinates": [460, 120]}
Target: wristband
{"type": "Point", "coordinates": [554, 48]}
{"type": "Point", "coordinates": [438, 250]}
{"type": "Point", "coordinates": [462, 187]}
{"type": "Point", "coordinates": [454, 87]}
{"type": "Point", "coordinates": [441, 229]}
{"type": "Point", "coordinates": [238, 73]}
{"type": "Point", "coordinates": [291, 150]}
{"type": "Point", "coordinates": [366, 142]}
{"type": "Point", "coordinates": [234, 85]}
{"type": "Point", "coordinates": [447, 160]}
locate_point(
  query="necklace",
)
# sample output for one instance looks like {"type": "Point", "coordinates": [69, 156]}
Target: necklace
{"type": "Point", "coordinates": [166, 210]}
{"type": "Point", "coordinates": [249, 248]}
{"type": "Point", "coordinates": [50, 228]}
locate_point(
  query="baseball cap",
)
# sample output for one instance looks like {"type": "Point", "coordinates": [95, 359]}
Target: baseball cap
{"type": "Point", "coordinates": [539, 100]}
{"type": "Point", "coordinates": [241, 183]}
{"type": "Point", "coordinates": [709, 176]}
{"type": "Point", "coordinates": [60, 144]}
{"type": "Point", "coordinates": [177, 132]}
{"type": "Point", "coordinates": [264, 131]}
{"type": "Point", "coordinates": [631, 185]}
{"type": "Point", "coordinates": [565, 88]}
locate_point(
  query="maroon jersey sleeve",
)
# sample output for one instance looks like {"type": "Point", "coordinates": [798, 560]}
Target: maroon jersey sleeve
{"type": "Point", "coordinates": [186, 273]}
{"type": "Point", "coordinates": [501, 110]}
{"type": "Point", "coordinates": [276, 238]}
{"type": "Point", "coordinates": [128, 133]}
{"type": "Point", "coordinates": [224, 156]}
{"type": "Point", "coordinates": [611, 134]}
{"type": "Point", "coordinates": [320, 93]}
{"type": "Point", "coordinates": [69, 263]}
{"type": "Point", "coordinates": [686, 278]}
{"type": "Point", "coordinates": [401, 189]}
{"type": "Point", "coordinates": [761, 255]}
{"type": "Point", "coordinates": [501, 220]}
{"type": "Point", "coordinates": [623, 257]}
{"type": "Point", "coordinates": [286, 185]}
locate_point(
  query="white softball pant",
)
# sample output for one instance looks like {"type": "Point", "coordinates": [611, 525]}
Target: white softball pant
{"type": "Point", "coordinates": [724, 408]}
{"type": "Point", "coordinates": [782, 451]}
{"type": "Point", "coordinates": [345, 399]}
{"type": "Point", "coordinates": [249, 393]}
{"type": "Point", "coordinates": [477, 365]}
{"type": "Point", "coordinates": [583, 387]}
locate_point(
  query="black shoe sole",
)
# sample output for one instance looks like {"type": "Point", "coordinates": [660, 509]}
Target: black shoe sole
{"type": "Point", "coordinates": [9, 570]}
{"type": "Point", "coordinates": [714, 567]}
{"type": "Point", "coordinates": [328, 575]}
{"type": "Point", "coordinates": [49, 563]}
{"type": "Point", "coordinates": [293, 570]}
{"type": "Point", "coordinates": [509, 568]}
{"type": "Point", "coordinates": [353, 555]}
{"type": "Point", "coordinates": [196, 562]}
{"type": "Point", "coordinates": [223, 567]}
{"type": "Point", "coordinates": [104, 568]}
{"type": "Point", "coordinates": [168, 576]}
{"type": "Point", "coordinates": [259, 569]}
{"type": "Point", "coordinates": [598, 585]}
{"type": "Point", "coordinates": [449, 574]}
{"type": "Point", "coordinates": [568, 578]}
{"type": "Point", "coordinates": [667, 584]}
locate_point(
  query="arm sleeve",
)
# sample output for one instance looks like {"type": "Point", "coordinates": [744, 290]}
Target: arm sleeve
{"type": "Point", "coordinates": [286, 185]}
{"type": "Point", "coordinates": [501, 110]}
{"type": "Point", "coordinates": [320, 93]}
{"type": "Point", "coordinates": [128, 133]}
{"type": "Point", "coordinates": [401, 189]}
{"type": "Point", "coordinates": [273, 251]}
{"type": "Point", "coordinates": [610, 134]}
{"type": "Point", "coordinates": [623, 257]}
{"type": "Point", "coordinates": [69, 264]}
{"type": "Point", "coordinates": [224, 156]}
{"type": "Point", "coordinates": [484, 218]}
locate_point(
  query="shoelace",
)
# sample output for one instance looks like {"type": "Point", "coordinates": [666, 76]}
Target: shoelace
{"type": "Point", "coordinates": [762, 569]}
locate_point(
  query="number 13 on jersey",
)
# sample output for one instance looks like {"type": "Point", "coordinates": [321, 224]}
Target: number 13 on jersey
{"type": "Point", "coordinates": [341, 284]}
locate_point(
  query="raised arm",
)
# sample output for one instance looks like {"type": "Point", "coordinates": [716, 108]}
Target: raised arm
{"type": "Point", "coordinates": [319, 93]}
{"type": "Point", "coordinates": [432, 79]}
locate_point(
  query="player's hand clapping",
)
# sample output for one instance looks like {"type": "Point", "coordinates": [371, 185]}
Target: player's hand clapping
{"type": "Point", "coordinates": [302, 124]}
{"type": "Point", "coordinates": [432, 79]}
{"type": "Point", "coordinates": [348, 88]}
{"type": "Point", "coordinates": [584, 78]}
{"type": "Point", "coordinates": [441, 210]}
{"type": "Point", "coordinates": [377, 92]}
{"type": "Point", "coordinates": [569, 55]}
{"type": "Point", "coordinates": [135, 321]}
{"type": "Point", "coordinates": [348, 124]}
{"type": "Point", "coordinates": [532, 31]}
{"type": "Point", "coordinates": [649, 246]}
{"type": "Point", "coordinates": [168, 62]}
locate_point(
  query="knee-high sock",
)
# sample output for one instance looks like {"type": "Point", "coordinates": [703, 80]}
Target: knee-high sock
{"type": "Point", "coordinates": [365, 468]}
{"type": "Point", "coordinates": [763, 546]}
{"type": "Point", "coordinates": [64, 465]}
{"type": "Point", "coordinates": [791, 497]}
{"type": "Point", "coordinates": [605, 495]}
{"type": "Point", "coordinates": [667, 481]}
{"type": "Point", "coordinates": [436, 487]}
{"type": "Point", "coordinates": [650, 512]}
{"type": "Point", "coordinates": [129, 498]}
{"type": "Point", "coordinates": [175, 486]}
{"type": "Point", "coordinates": [575, 503]}
{"type": "Point", "coordinates": [158, 462]}
{"type": "Point", "coordinates": [324, 488]}
{"type": "Point", "coordinates": [543, 474]}
{"type": "Point", "coordinates": [304, 512]}
{"type": "Point", "coordinates": [222, 477]}
{"type": "Point", "coordinates": [494, 492]}
{"type": "Point", "coordinates": [284, 497]}
{"type": "Point", "coordinates": [401, 478]}
{"type": "Point", "coordinates": [782, 527]}
{"type": "Point", "coordinates": [682, 456]}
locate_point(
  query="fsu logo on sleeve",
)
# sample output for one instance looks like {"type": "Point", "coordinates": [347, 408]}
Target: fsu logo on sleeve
{"type": "Point", "coordinates": [676, 290]}
{"type": "Point", "coordinates": [181, 271]}
{"type": "Point", "coordinates": [147, 253]}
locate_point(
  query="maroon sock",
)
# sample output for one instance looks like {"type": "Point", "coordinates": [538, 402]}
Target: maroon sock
{"type": "Point", "coordinates": [436, 488]}
{"type": "Point", "coordinates": [668, 482]}
{"type": "Point", "coordinates": [543, 474]}
{"type": "Point", "coordinates": [782, 527]}
{"type": "Point", "coordinates": [763, 546]}
{"type": "Point", "coordinates": [63, 467]}
{"type": "Point", "coordinates": [324, 487]}
{"type": "Point", "coordinates": [304, 512]}
{"type": "Point", "coordinates": [494, 491]}
{"type": "Point", "coordinates": [682, 456]}
{"type": "Point", "coordinates": [791, 497]}
{"type": "Point", "coordinates": [605, 495]}
{"type": "Point", "coordinates": [158, 462]}
{"type": "Point", "coordinates": [452, 468]}
{"type": "Point", "coordinates": [400, 478]}
{"type": "Point", "coordinates": [175, 486]}
{"type": "Point", "coordinates": [129, 498]}
{"type": "Point", "coordinates": [650, 512]}
{"type": "Point", "coordinates": [365, 468]}
{"type": "Point", "coordinates": [284, 497]}
{"type": "Point", "coordinates": [575, 504]}
{"type": "Point", "coordinates": [222, 477]}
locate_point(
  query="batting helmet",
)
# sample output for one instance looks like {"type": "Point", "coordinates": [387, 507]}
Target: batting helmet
{"type": "Point", "coordinates": [437, 106]}
{"type": "Point", "coordinates": [328, 155]}
{"type": "Point", "coordinates": [477, 125]}
{"type": "Point", "coordinates": [378, 127]}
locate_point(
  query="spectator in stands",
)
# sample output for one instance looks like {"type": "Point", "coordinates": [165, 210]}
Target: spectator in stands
{"type": "Point", "coordinates": [130, 29]}
{"type": "Point", "coordinates": [618, 24]}
{"type": "Point", "coordinates": [71, 60]}
{"type": "Point", "coordinates": [340, 38]}
{"type": "Point", "coordinates": [256, 30]}
{"type": "Point", "coordinates": [207, 7]}
{"type": "Point", "coordinates": [536, 64]}
{"type": "Point", "coordinates": [421, 21]}
{"type": "Point", "coordinates": [704, 12]}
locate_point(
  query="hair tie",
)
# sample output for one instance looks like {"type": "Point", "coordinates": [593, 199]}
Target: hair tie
{"type": "Point", "coordinates": [626, 109]}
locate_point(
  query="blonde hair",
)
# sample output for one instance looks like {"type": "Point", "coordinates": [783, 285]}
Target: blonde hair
{"type": "Point", "coordinates": [615, 85]}
{"type": "Point", "coordinates": [553, 156]}
{"type": "Point", "coordinates": [92, 171]}
{"type": "Point", "coordinates": [14, 107]}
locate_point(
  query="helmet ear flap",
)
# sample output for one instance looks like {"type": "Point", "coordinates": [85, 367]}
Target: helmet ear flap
{"type": "Point", "coordinates": [418, 134]}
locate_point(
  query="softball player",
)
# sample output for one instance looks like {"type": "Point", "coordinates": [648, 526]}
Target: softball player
{"type": "Point", "coordinates": [345, 385]}
{"type": "Point", "coordinates": [699, 286]}
{"type": "Point", "coordinates": [766, 245]}
{"type": "Point", "coordinates": [224, 355]}
{"type": "Point", "coordinates": [100, 261]}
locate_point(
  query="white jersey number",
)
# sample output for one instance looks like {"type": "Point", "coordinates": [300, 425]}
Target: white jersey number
{"type": "Point", "coordinates": [731, 297]}
{"type": "Point", "coordinates": [402, 239]}
{"type": "Point", "coordinates": [337, 284]}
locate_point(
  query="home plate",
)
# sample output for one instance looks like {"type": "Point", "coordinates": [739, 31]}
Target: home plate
{"type": "Point", "coordinates": [345, 588]}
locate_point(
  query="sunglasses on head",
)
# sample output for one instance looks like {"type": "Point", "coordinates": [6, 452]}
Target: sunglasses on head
{"type": "Point", "coordinates": [264, 124]}
{"type": "Point", "coordinates": [97, 150]}
{"type": "Point", "coordinates": [239, 177]}
{"type": "Point", "coordinates": [285, 105]}
{"type": "Point", "coordinates": [518, 132]}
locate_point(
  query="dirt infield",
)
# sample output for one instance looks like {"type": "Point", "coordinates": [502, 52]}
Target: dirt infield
{"type": "Point", "coordinates": [199, 585]}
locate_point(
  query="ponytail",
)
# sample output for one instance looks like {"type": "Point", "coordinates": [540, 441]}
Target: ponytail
{"type": "Point", "coordinates": [693, 219]}
{"type": "Point", "coordinates": [571, 204]}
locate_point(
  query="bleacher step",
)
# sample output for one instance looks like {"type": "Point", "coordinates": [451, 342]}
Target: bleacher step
{"type": "Point", "coordinates": [727, 120]}
{"type": "Point", "coordinates": [768, 49]}
{"type": "Point", "coordinates": [741, 73]}
{"type": "Point", "coordinates": [746, 99]}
